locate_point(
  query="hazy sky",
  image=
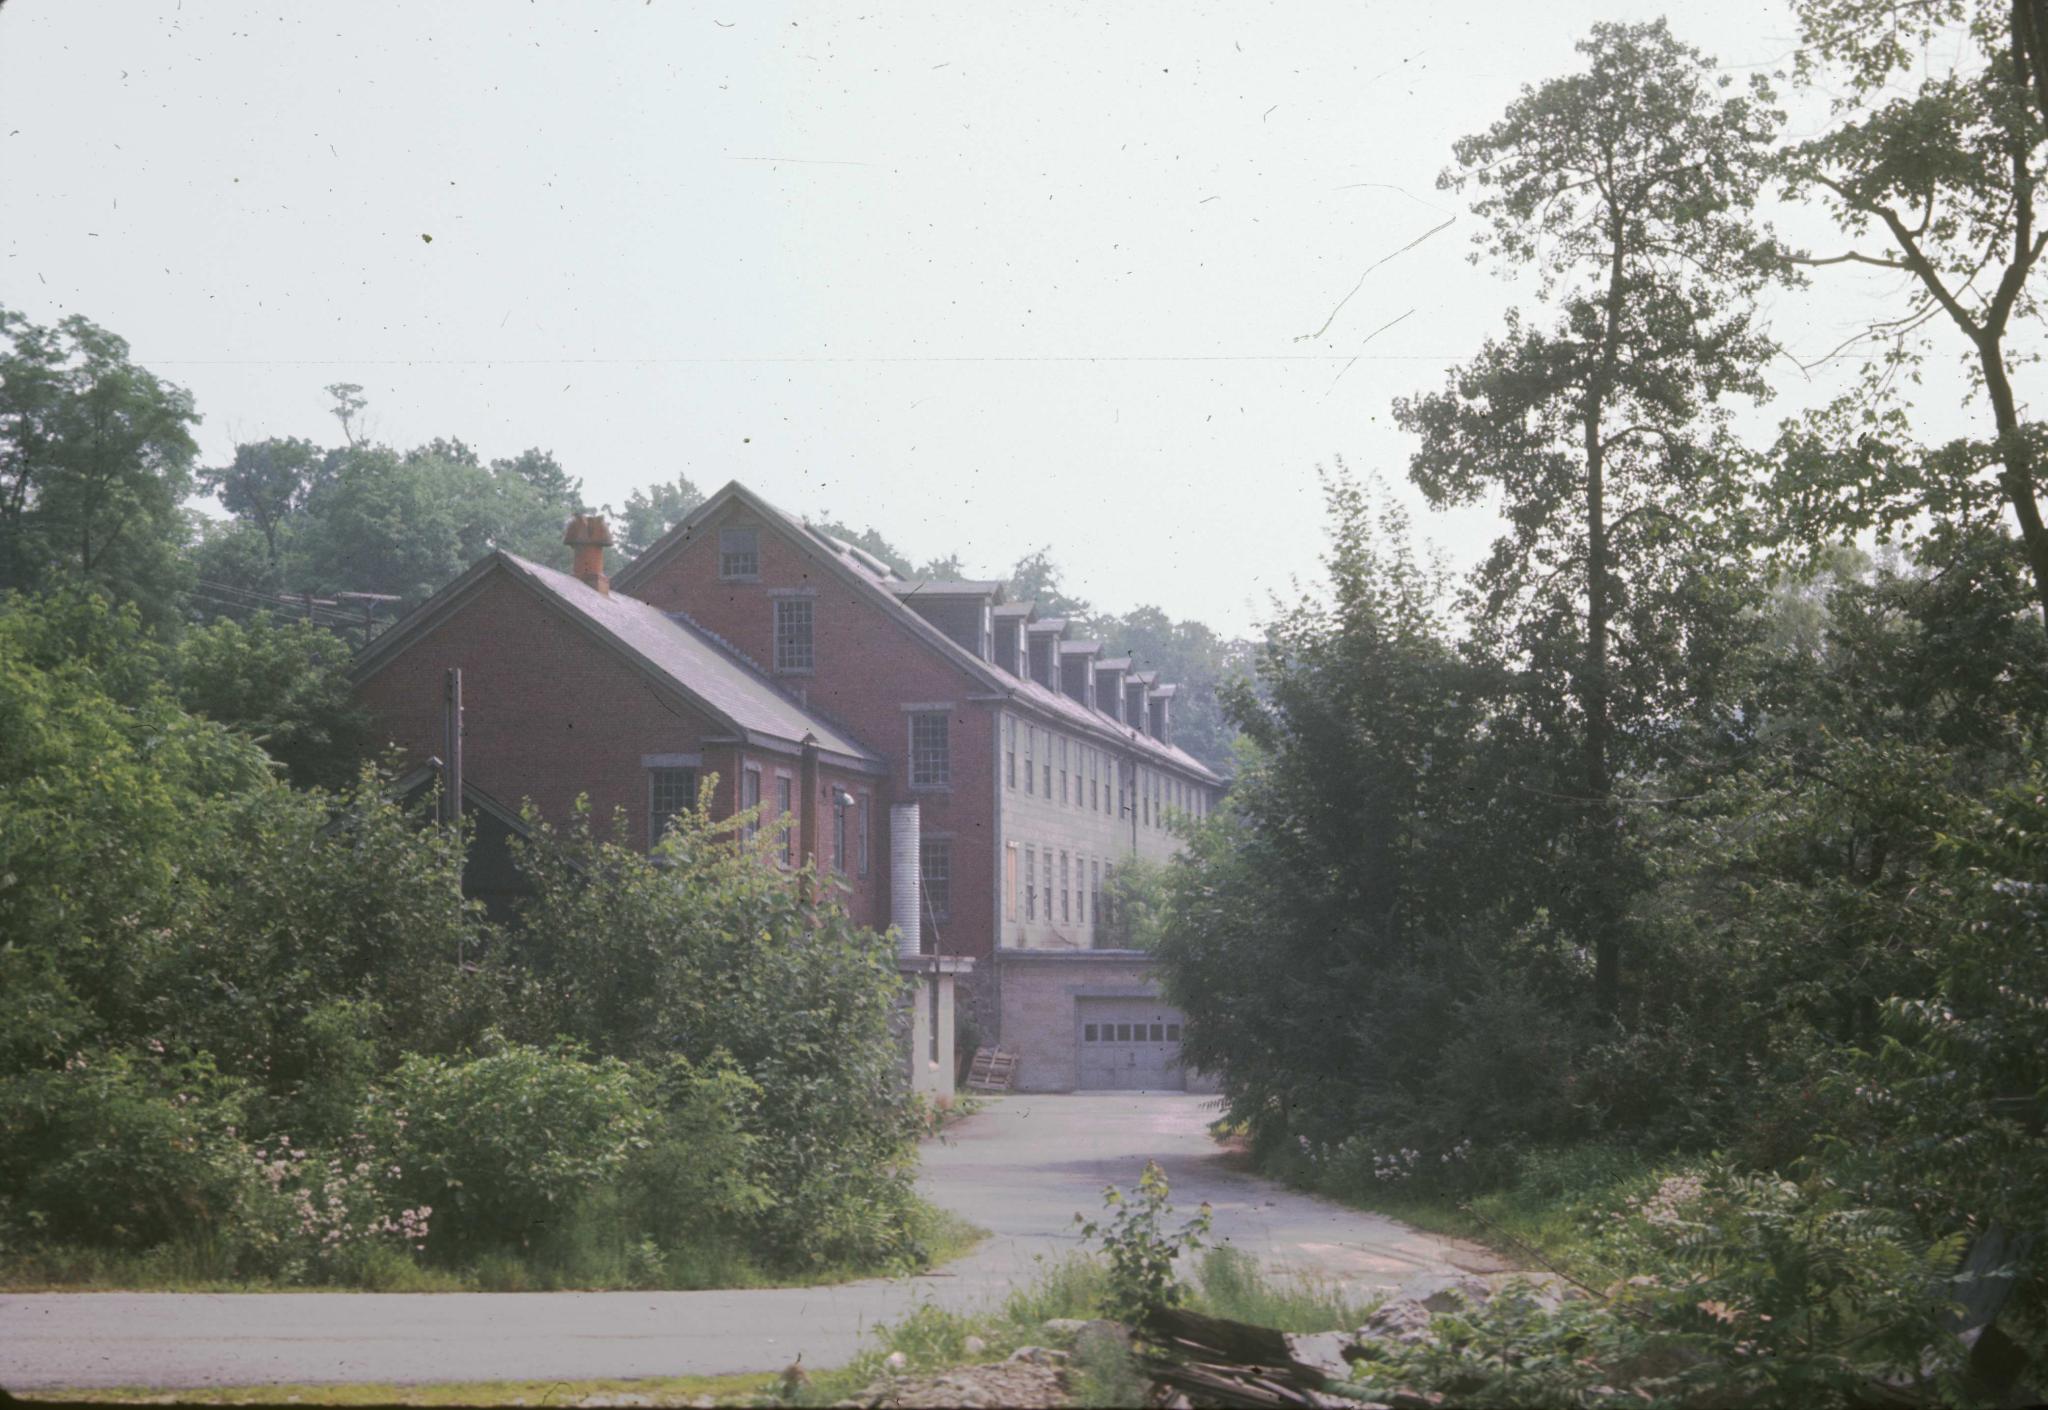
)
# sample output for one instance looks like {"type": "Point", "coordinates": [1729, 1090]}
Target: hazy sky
{"type": "Point", "coordinates": [987, 277]}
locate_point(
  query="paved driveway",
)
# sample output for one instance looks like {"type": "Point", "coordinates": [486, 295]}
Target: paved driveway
{"type": "Point", "coordinates": [1022, 1168]}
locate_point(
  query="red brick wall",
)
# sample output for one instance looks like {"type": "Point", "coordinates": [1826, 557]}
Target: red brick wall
{"type": "Point", "coordinates": [550, 713]}
{"type": "Point", "coordinates": [868, 666]}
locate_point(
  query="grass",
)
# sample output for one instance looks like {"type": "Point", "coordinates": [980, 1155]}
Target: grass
{"type": "Point", "coordinates": [573, 1262]}
{"type": "Point", "coordinates": [933, 1340]}
{"type": "Point", "coordinates": [1546, 1216]}
{"type": "Point", "coordinates": [670, 1390]}
{"type": "Point", "coordinates": [1233, 1287]}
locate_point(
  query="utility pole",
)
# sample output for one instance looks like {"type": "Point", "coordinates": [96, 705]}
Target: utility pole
{"type": "Point", "coordinates": [451, 780]}
{"type": "Point", "coordinates": [451, 785]}
{"type": "Point", "coordinates": [369, 601]}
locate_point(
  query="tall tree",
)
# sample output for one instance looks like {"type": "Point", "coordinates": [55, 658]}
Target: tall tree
{"type": "Point", "coordinates": [95, 462]}
{"type": "Point", "coordinates": [539, 469]}
{"type": "Point", "coordinates": [651, 512]}
{"type": "Point", "coordinates": [1627, 186]}
{"type": "Point", "coordinates": [1940, 184]}
{"type": "Point", "coordinates": [1036, 578]}
{"type": "Point", "coordinates": [266, 484]}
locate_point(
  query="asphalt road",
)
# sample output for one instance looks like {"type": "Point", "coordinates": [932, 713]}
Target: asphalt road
{"type": "Point", "coordinates": [1022, 1168]}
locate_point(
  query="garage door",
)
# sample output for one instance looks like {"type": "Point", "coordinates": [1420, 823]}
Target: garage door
{"type": "Point", "coordinates": [1129, 1045]}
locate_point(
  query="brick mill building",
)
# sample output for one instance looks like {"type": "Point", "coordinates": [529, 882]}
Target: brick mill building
{"type": "Point", "coordinates": [958, 765]}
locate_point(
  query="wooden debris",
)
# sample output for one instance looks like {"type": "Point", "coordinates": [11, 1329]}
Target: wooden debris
{"type": "Point", "coordinates": [993, 1070]}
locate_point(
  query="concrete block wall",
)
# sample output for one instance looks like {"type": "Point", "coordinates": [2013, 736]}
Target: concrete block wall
{"type": "Point", "coordinates": [1037, 991]}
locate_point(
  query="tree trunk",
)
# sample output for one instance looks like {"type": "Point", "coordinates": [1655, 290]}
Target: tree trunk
{"type": "Point", "coordinates": [1593, 697]}
{"type": "Point", "coordinates": [1603, 915]}
{"type": "Point", "coordinates": [2017, 455]}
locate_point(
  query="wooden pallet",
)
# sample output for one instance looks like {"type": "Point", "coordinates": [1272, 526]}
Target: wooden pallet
{"type": "Point", "coordinates": [993, 1070]}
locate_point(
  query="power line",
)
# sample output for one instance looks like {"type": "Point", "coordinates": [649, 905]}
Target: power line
{"type": "Point", "coordinates": [1076, 358]}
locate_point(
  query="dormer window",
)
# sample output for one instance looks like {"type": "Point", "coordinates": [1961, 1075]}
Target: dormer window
{"type": "Point", "coordinates": [739, 554]}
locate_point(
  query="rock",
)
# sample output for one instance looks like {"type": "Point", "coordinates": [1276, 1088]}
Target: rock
{"type": "Point", "coordinates": [1327, 1352]}
{"type": "Point", "coordinates": [1101, 1333]}
{"type": "Point", "coordinates": [1446, 1292]}
{"type": "Point", "coordinates": [1064, 1326]}
{"type": "Point", "coordinates": [974, 1346]}
{"type": "Point", "coordinates": [1009, 1383]}
{"type": "Point", "coordinates": [1039, 1356]}
{"type": "Point", "coordinates": [1397, 1320]}
{"type": "Point", "coordinates": [896, 1361]}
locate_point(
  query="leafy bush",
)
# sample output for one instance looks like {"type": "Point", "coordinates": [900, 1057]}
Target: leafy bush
{"type": "Point", "coordinates": [500, 1147]}
{"type": "Point", "coordinates": [110, 1153]}
{"type": "Point", "coordinates": [615, 953]}
{"type": "Point", "coordinates": [691, 1186]}
{"type": "Point", "coordinates": [1744, 1288]}
{"type": "Point", "coordinates": [1140, 1253]}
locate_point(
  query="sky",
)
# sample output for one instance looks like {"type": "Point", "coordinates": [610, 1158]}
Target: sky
{"type": "Point", "coordinates": [1113, 280]}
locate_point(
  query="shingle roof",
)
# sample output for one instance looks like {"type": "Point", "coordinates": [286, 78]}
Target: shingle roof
{"type": "Point", "coordinates": [676, 652]}
{"type": "Point", "coordinates": [883, 590]}
{"type": "Point", "coordinates": [693, 661]}
{"type": "Point", "coordinates": [945, 587]}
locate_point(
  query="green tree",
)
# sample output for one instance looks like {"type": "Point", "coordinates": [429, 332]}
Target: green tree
{"type": "Point", "coordinates": [1349, 935]}
{"type": "Point", "coordinates": [540, 471]}
{"type": "Point", "coordinates": [95, 463]}
{"type": "Point", "coordinates": [1628, 186]}
{"type": "Point", "coordinates": [1036, 578]}
{"type": "Point", "coordinates": [613, 953]}
{"type": "Point", "coordinates": [1194, 656]}
{"type": "Point", "coordinates": [285, 685]}
{"type": "Point", "coordinates": [266, 484]}
{"type": "Point", "coordinates": [868, 541]}
{"type": "Point", "coordinates": [651, 512]}
{"type": "Point", "coordinates": [1939, 183]}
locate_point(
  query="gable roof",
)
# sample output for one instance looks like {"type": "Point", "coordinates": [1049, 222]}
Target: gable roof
{"type": "Point", "coordinates": [852, 567]}
{"type": "Point", "coordinates": [672, 651]}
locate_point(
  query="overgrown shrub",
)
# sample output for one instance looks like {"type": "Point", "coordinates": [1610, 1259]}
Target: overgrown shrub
{"type": "Point", "coordinates": [1747, 1289]}
{"type": "Point", "coordinates": [502, 1146]}
{"type": "Point", "coordinates": [707, 949]}
{"type": "Point", "coordinates": [109, 1152]}
{"type": "Point", "coordinates": [1139, 1250]}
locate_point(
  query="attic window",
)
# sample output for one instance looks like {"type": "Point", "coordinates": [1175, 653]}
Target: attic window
{"type": "Point", "coordinates": [739, 553]}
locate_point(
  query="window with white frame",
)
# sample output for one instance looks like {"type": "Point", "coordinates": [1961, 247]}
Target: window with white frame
{"type": "Point", "coordinates": [739, 553]}
{"type": "Point", "coordinates": [750, 799]}
{"type": "Point", "coordinates": [1063, 768]}
{"type": "Point", "coordinates": [1031, 883]}
{"type": "Point", "coordinates": [1011, 723]}
{"type": "Point", "coordinates": [935, 857]}
{"type": "Point", "coordinates": [1095, 891]}
{"type": "Point", "coordinates": [838, 833]}
{"type": "Point", "coordinates": [793, 618]}
{"type": "Point", "coordinates": [669, 793]}
{"type": "Point", "coordinates": [1066, 912]}
{"type": "Point", "coordinates": [862, 842]}
{"type": "Point", "coordinates": [931, 758]}
{"type": "Point", "coordinates": [1031, 758]}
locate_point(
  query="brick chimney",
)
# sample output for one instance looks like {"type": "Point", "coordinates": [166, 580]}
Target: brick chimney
{"type": "Point", "coordinates": [590, 536]}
